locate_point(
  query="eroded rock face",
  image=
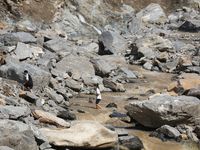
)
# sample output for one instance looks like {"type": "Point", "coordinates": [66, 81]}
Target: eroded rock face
{"type": "Point", "coordinates": [83, 135]}
{"type": "Point", "coordinates": [165, 110]}
{"type": "Point", "coordinates": [48, 118]}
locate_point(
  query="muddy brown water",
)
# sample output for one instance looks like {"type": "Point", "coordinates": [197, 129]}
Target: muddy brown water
{"type": "Point", "coordinates": [151, 81]}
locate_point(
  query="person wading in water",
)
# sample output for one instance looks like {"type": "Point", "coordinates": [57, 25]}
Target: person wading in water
{"type": "Point", "coordinates": [98, 96]}
{"type": "Point", "coordinates": [29, 81]}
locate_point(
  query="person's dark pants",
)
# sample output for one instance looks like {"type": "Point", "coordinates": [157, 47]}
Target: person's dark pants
{"type": "Point", "coordinates": [97, 101]}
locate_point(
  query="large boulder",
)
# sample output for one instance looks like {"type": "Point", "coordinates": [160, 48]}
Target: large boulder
{"type": "Point", "coordinates": [165, 110]}
{"type": "Point", "coordinates": [59, 44]}
{"type": "Point", "coordinates": [113, 85]}
{"type": "Point", "coordinates": [115, 61]}
{"type": "Point", "coordinates": [102, 68]}
{"type": "Point", "coordinates": [72, 84]}
{"type": "Point", "coordinates": [49, 118]}
{"type": "Point", "coordinates": [14, 71]}
{"type": "Point", "coordinates": [17, 135]}
{"type": "Point", "coordinates": [152, 14]}
{"type": "Point", "coordinates": [74, 64]}
{"type": "Point", "coordinates": [111, 43]}
{"type": "Point", "coordinates": [23, 51]}
{"type": "Point", "coordinates": [57, 97]}
{"type": "Point", "coordinates": [83, 135]}
{"type": "Point", "coordinates": [10, 39]}
{"type": "Point", "coordinates": [25, 26]}
{"type": "Point", "coordinates": [11, 112]}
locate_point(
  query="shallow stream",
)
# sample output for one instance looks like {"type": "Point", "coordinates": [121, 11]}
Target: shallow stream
{"type": "Point", "coordinates": [151, 81]}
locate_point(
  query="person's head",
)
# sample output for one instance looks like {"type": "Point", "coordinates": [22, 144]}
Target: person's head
{"type": "Point", "coordinates": [95, 86]}
{"type": "Point", "coordinates": [25, 72]}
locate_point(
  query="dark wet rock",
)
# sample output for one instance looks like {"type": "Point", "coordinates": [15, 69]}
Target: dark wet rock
{"type": "Point", "coordinates": [197, 130]}
{"type": "Point", "coordinates": [117, 115]}
{"type": "Point", "coordinates": [195, 92]}
{"type": "Point", "coordinates": [66, 115]}
{"type": "Point", "coordinates": [166, 133]}
{"type": "Point", "coordinates": [131, 142]}
{"type": "Point", "coordinates": [80, 111]}
{"type": "Point", "coordinates": [10, 39]}
{"type": "Point", "coordinates": [143, 95]}
{"type": "Point", "coordinates": [190, 25]}
{"type": "Point", "coordinates": [151, 92]}
{"type": "Point", "coordinates": [111, 105]}
{"type": "Point", "coordinates": [132, 98]}
{"type": "Point", "coordinates": [165, 110]}
{"type": "Point", "coordinates": [111, 43]}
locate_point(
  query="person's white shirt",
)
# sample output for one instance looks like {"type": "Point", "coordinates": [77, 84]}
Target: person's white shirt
{"type": "Point", "coordinates": [27, 77]}
{"type": "Point", "coordinates": [99, 94]}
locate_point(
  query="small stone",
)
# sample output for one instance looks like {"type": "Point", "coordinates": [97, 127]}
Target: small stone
{"type": "Point", "coordinates": [111, 105]}
{"type": "Point", "coordinates": [80, 111]}
{"type": "Point", "coordinates": [67, 104]}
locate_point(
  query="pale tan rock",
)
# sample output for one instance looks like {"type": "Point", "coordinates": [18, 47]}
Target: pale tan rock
{"type": "Point", "coordinates": [83, 135]}
{"type": "Point", "coordinates": [22, 94]}
{"type": "Point", "coordinates": [172, 86]}
{"type": "Point", "coordinates": [183, 136]}
{"type": "Point", "coordinates": [188, 75]}
{"type": "Point", "coordinates": [184, 60]}
{"type": "Point", "coordinates": [2, 101]}
{"type": "Point", "coordinates": [172, 93]}
{"type": "Point", "coordinates": [48, 118]}
{"type": "Point", "coordinates": [188, 83]}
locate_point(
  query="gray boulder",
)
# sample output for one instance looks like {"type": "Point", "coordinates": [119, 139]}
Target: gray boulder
{"type": "Point", "coordinates": [111, 43]}
{"type": "Point", "coordinates": [147, 66]}
{"type": "Point", "coordinates": [145, 52]}
{"type": "Point", "coordinates": [5, 148]}
{"type": "Point", "coordinates": [11, 112]}
{"type": "Point", "coordinates": [18, 135]}
{"type": "Point", "coordinates": [25, 26]}
{"type": "Point", "coordinates": [102, 68]}
{"type": "Point", "coordinates": [131, 142]}
{"type": "Point", "coordinates": [165, 110]}
{"type": "Point", "coordinates": [47, 34]}
{"type": "Point", "coordinates": [10, 39]}
{"type": "Point", "coordinates": [57, 97]}
{"type": "Point", "coordinates": [23, 51]}
{"type": "Point", "coordinates": [14, 71]}
{"type": "Point", "coordinates": [166, 133]}
{"type": "Point", "coordinates": [72, 84]}
{"type": "Point", "coordinates": [128, 73]}
{"type": "Point", "coordinates": [195, 92]}
{"type": "Point", "coordinates": [74, 64]}
{"type": "Point", "coordinates": [114, 86]}
{"type": "Point", "coordinates": [59, 44]}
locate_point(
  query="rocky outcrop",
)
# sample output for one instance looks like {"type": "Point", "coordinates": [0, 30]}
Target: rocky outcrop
{"type": "Point", "coordinates": [83, 135]}
{"type": "Point", "coordinates": [165, 110]}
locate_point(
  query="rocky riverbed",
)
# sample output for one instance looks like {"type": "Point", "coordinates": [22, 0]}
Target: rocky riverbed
{"type": "Point", "coordinates": [145, 60]}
